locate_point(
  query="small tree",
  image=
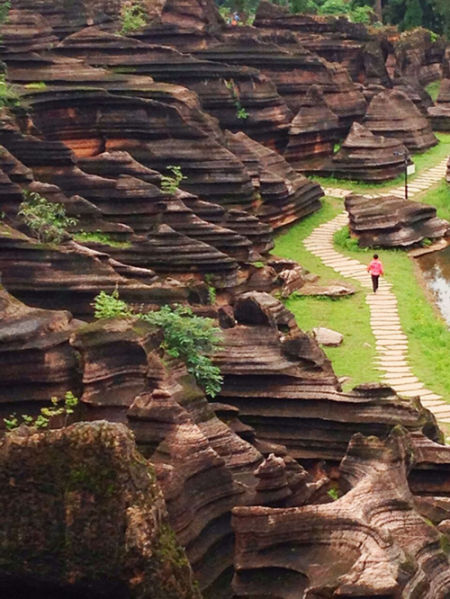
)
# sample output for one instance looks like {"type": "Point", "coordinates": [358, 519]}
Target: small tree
{"type": "Point", "coordinates": [47, 220]}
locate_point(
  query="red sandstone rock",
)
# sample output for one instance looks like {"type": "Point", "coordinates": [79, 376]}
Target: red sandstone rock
{"type": "Point", "coordinates": [358, 545]}
{"type": "Point", "coordinates": [392, 222]}
{"type": "Point", "coordinates": [313, 133]}
{"type": "Point", "coordinates": [392, 114]}
{"type": "Point", "coordinates": [86, 515]}
{"type": "Point", "coordinates": [367, 157]}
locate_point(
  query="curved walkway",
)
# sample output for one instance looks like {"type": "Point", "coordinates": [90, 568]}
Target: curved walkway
{"type": "Point", "coordinates": [391, 341]}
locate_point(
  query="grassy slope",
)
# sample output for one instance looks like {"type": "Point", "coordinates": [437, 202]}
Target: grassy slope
{"type": "Point", "coordinates": [429, 338]}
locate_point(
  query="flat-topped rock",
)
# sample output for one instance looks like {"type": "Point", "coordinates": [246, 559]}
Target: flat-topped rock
{"type": "Point", "coordinates": [392, 222]}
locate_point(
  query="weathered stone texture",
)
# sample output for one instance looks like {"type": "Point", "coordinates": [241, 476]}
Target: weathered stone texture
{"type": "Point", "coordinates": [82, 512]}
{"type": "Point", "coordinates": [392, 114]}
{"type": "Point", "coordinates": [392, 221]}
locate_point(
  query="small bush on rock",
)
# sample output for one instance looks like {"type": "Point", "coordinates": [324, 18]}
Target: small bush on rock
{"type": "Point", "coordinates": [47, 220]}
{"type": "Point", "coordinates": [186, 336]}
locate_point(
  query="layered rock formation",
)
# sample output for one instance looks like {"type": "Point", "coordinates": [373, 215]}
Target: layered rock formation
{"type": "Point", "coordinates": [286, 195]}
{"type": "Point", "coordinates": [392, 222]}
{"type": "Point", "coordinates": [85, 515]}
{"type": "Point", "coordinates": [367, 157]}
{"type": "Point", "coordinates": [392, 114]}
{"type": "Point", "coordinates": [364, 539]}
{"type": "Point", "coordinates": [440, 113]}
{"type": "Point", "coordinates": [291, 396]}
{"type": "Point", "coordinates": [313, 133]}
{"type": "Point", "coordinates": [220, 87]}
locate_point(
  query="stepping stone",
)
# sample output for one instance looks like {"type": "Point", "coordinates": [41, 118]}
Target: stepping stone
{"type": "Point", "coordinates": [410, 387]}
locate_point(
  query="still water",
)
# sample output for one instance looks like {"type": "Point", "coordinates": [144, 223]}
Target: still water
{"type": "Point", "coordinates": [436, 270]}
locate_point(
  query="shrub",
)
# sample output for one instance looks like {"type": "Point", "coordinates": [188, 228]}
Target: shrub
{"type": "Point", "coordinates": [133, 17]}
{"type": "Point", "coordinates": [47, 220]}
{"type": "Point", "coordinates": [170, 184]}
{"type": "Point", "coordinates": [186, 336]}
{"type": "Point", "coordinates": [110, 306]}
{"type": "Point", "coordinates": [59, 407]}
{"type": "Point", "coordinates": [241, 113]}
{"type": "Point", "coordinates": [9, 97]}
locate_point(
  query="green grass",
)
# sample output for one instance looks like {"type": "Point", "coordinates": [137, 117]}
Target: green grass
{"type": "Point", "coordinates": [99, 237]}
{"type": "Point", "coordinates": [355, 357]}
{"type": "Point", "coordinates": [433, 89]}
{"type": "Point", "coordinates": [429, 339]}
{"type": "Point", "coordinates": [439, 197]}
{"type": "Point", "coordinates": [423, 161]}
{"type": "Point", "coordinates": [428, 336]}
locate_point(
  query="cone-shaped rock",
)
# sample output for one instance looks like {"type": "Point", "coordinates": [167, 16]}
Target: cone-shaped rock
{"type": "Point", "coordinates": [368, 157]}
{"type": "Point", "coordinates": [313, 132]}
{"type": "Point", "coordinates": [393, 114]}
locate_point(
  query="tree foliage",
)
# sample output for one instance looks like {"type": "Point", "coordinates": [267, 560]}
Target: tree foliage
{"type": "Point", "coordinates": [407, 14]}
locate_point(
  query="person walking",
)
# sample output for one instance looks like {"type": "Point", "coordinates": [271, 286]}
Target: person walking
{"type": "Point", "coordinates": [375, 269]}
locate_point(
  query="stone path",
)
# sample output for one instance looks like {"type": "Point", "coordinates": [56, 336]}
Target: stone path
{"type": "Point", "coordinates": [390, 341]}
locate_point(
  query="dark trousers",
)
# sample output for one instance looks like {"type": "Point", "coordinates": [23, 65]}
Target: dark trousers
{"type": "Point", "coordinates": [375, 282]}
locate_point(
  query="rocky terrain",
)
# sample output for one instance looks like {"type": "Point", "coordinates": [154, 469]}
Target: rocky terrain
{"type": "Point", "coordinates": [177, 151]}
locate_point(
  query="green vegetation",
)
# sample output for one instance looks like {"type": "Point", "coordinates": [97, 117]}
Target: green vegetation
{"type": "Point", "coordinates": [59, 407]}
{"type": "Point", "coordinates": [5, 7]}
{"type": "Point", "coordinates": [186, 336]}
{"type": "Point", "coordinates": [311, 312]}
{"type": "Point", "coordinates": [170, 183]}
{"type": "Point", "coordinates": [99, 237]}
{"type": "Point", "coordinates": [133, 16]}
{"type": "Point", "coordinates": [47, 220]}
{"type": "Point", "coordinates": [9, 97]}
{"type": "Point", "coordinates": [241, 113]}
{"type": "Point", "coordinates": [433, 89]}
{"type": "Point", "coordinates": [429, 338]}
{"type": "Point", "coordinates": [437, 196]}
{"type": "Point", "coordinates": [36, 85]}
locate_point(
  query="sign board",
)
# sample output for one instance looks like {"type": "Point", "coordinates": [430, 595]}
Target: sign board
{"type": "Point", "coordinates": [410, 169]}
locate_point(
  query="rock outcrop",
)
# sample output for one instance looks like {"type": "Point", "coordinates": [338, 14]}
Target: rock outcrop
{"type": "Point", "coordinates": [440, 113]}
{"type": "Point", "coordinates": [290, 396]}
{"type": "Point", "coordinates": [392, 221]}
{"type": "Point", "coordinates": [367, 157]}
{"type": "Point", "coordinates": [373, 524]}
{"type": "Point", "coordinates": [286, 195]}
{"type": "Point", "coordinates": [392, 114]}
{"type": "Point", "coordinates": [86, 515]}
{"type": "Point", "coordinates": [313, 133]}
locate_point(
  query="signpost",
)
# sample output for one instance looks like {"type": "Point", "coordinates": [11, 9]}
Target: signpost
{"type": "Point", "coordinates": [410, 169]}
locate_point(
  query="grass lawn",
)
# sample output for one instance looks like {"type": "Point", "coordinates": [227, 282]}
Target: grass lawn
{"type": "Point", "coordinates": [428, 335]}
{"type": "Point", "coordinates": [429, 338]}
{"type": "Point", "coordinates": [354, 358]}
{"type": "Point", "coordinates": [439, 197]}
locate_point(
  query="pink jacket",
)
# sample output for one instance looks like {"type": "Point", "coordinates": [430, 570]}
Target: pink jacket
{"type": "Point", "coordinates": [375, 268]}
